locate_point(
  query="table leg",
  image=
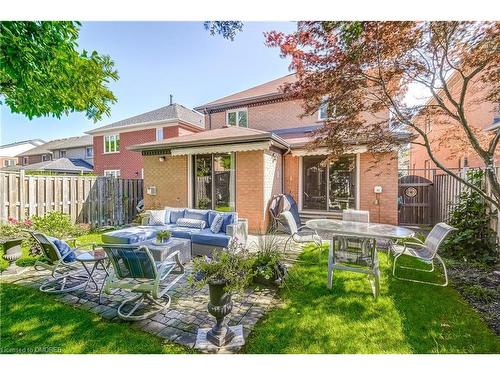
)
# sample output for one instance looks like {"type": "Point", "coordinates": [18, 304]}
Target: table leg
{"type": "Point", "coordinates": [330, 263]}
{"type": "Point", "coordinates": [90, 273]}
{"type": "Point", "coordinates": [103, 280]}
{"type": "Point", "coordinates": [376, 270]}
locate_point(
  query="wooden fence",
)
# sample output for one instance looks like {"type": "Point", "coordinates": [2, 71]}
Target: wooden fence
{"type": "Point", "coordinates": [93, 200]}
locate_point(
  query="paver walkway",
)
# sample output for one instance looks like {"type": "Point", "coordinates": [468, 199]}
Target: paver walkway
{"type": "Point", "coordinates": [186, 314]}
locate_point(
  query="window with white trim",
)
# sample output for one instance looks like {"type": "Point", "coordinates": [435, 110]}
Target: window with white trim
{"type": "Point", "coordinates": [323, 111]}
{"type": "Point", "coordinates": [159, 134]}
{"type": "Point", "coordinates": [112, 173]}
{"type": "Point", "coordinates": [111, 143]}
{"type": "Point", "coordinates": [8, 162]}
{"type": "Point", "coordinates": [62, 153]}
{"type": "Point", "coordinates": [89, 152]}
{"type": "Point", "coordinates": [237, 117]}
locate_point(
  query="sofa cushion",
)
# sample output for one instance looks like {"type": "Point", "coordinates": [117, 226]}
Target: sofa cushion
{"type": "Point", "coordinates": [157, 217]}
{"type": "Point", "coordinates": [229, 218]}
{"type": "Point", "coordinates": [216, 225]}
{"type": "Point", "coordinates": [63, 249]}
{"type": "Point", "coordinates": [206, 237]}
{"type": "Point", "coordinates": [131, 235]}
{"type": "Point", "coordinates": [197, 214]}
{"type": "Point", "coordinates": [191, 223]}
{"type": "Point", "coordinates": [175, 214]}
{"type": "Point", "coordinates": [183, 232]}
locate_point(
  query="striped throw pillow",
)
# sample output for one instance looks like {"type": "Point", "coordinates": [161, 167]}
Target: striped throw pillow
{"type": "Point", "coordinates": [191, 223]}
{"type": "Point", "coordinates": [217, 223]}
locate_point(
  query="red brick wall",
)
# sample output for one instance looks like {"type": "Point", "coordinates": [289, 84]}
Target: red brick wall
{"type": "Point", "coordinates": [382, 170]}
{"type": "Point", "coordinates": [291, 182]}
{"type": "Point", "coordinates": [32, 159]}
{"type": "Point", "coordinates": [269, 116]}
{"type": "Point", "coordinates": [130, 163]}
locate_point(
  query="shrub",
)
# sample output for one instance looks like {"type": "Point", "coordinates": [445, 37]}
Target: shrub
{"type": "Point", "coordinates": [58, 224]}
{"type": "Point", "coordinates": [474, 239]}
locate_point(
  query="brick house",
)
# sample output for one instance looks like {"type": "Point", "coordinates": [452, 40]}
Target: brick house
{"type": "Point", "coordinates": [73, 148]}
{"type": "Point", "coordinates": [448, 141]}
{"type": "Point", "coordinates": [111, 142]}
{"type": "Point", "coordinates": [254, 147]}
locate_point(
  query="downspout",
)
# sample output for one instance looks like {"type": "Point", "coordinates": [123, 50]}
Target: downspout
{"type": "Point", "coordinates": [283, 168]}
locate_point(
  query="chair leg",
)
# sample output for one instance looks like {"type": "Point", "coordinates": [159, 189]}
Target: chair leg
{"type": "Point", "coordinates": [330, 264]}
{"type": "Point", "coordinates": [58, 284]}
{"type": "Point", "coordinates": [416, 269]}
{"type": "Point", "coordinates": [138, 300]}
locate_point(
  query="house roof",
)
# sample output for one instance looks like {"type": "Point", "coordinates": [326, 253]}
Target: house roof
{"type": "Point", "coordinates": [34, 142]}
{"type": "Point", "coordinates": [58, 165]}
{"type": "Point", "coordinates": [168, 113]}
{"type": "Point", "coordinates": [229, 135]}
{"type": "Point", "coordinates": [15, 148]}
{"type": "Point", "coordinates": [58, 144]}
{"type": "Point", "coordinates": [265, 91]}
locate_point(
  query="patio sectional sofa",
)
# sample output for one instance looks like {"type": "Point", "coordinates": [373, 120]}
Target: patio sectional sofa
{"type": "Point", "coordinates": [203, 240]}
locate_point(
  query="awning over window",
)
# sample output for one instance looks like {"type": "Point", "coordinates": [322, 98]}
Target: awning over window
{"type": "Point", "coordinates": [214, 149]}
{"type": "Point", "coordinates": [324, 151]}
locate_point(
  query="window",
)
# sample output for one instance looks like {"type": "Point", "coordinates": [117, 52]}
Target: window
{"type": "Point", "coordinates": [330, 187]}
{"type": "Point", "coordinates": [159, 134]}
{"type": "Point", "coordinates": [111, 143]}
{"type": "Point", "coordinates": [112, 173]}
{"type": "Point", "coordinates": [25, 160]}
{"type": "Point", "coordinates": [45, 158]}
{"type": "Point", "coordinates": [323, 111]}
{"type": "Point", "coordinates": [62, 153]}
{"type": "Point", "coordinates": [237, 117]}
{"type": "Point", "coordinates": [89, 152]}
{"type": "Point", "coordinates": [8, 162]}
{"type": "Point", "coordinates": [214, 176]}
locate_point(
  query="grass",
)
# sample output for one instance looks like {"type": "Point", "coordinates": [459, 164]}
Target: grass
{"type": "Point", "coordinates": [35, 321]}
{"type": "Point", "coordinates": [406, 318]}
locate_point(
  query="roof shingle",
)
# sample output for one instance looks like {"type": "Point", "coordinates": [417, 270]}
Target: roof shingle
{"type": "Point", "coordinates": [57, 144]}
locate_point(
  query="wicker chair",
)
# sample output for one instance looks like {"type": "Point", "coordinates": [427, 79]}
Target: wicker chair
{"type": "Point", "coordinates": [135, 270]}
{"type": "Point", "coordinates": [425, 251]}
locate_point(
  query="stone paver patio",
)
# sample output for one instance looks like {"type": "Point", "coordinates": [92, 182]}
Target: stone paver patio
{"type": "Point", "coordinates": [180, 322]}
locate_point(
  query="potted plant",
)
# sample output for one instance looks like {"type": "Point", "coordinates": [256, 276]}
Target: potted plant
{"type": "Point", "coordinates": [163, 236]}
{"type": "Point", "coordinates": [268, 266]}
{"type": "Point", "coordinates": [227, 272]}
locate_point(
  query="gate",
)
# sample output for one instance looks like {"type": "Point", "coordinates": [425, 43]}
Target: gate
{"type": "Point", "coordinates": [415, 200]}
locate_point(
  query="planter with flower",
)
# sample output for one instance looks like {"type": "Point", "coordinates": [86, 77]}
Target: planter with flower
{"type": "Point", "coordinates": [163, 236]}
{"type": "Point", "coordinates": [227, 272]}
{"type": "Point", "coordinates": [268, 266]}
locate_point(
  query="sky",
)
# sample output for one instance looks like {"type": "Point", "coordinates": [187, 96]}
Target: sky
{"type": "Point", "coordinates": [156, 59]}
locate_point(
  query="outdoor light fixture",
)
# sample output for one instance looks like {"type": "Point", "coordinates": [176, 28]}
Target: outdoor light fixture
{"type": "Point", "coordinates": [161, 159]}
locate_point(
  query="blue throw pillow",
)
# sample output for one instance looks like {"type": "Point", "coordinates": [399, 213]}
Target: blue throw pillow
{"type": "Point", "coordinates": [176, 214]}
{"type": "Point", "coordinates": [217, 223]}
{"type": "Point", "coordinates": [229, 218]}
{"type": "Point", "coordinates": [197, 214]}
{"type": "Point", "coordinates": [64, 249]}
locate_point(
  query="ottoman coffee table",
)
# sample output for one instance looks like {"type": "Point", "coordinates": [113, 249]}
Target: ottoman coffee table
{"type": "Point", "coordinates": [160, 251]}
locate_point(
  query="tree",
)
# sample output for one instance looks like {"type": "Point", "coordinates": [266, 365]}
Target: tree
{"type": "Point", "coordinates": [227, 29]}
{"type": "Point", "coordinates": [360, 67]}
{"type": "Point", "coordinates": [43, 74]}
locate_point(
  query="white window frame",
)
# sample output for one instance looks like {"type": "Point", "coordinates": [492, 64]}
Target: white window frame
{"type": "Point", "coordinates": [325, 104]}
{"type": "Point", "coordinates": [159, 134]}
{"type": "Point", "coordinates": [112, 173]}
{"type": "Point", "coordinates": [87, 152]}
{"type": "Point", "coordinates": [237, 111]}
{"type": "Point", "coordinates": [113, 138]}
{"type": "Point", "coordinates": [8, 162]}
{"type": "Point", "coordinates": [61, 153]}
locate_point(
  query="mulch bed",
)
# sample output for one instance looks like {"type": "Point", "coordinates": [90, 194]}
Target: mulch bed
{"type": "Point", "coordinates": [481, 288]}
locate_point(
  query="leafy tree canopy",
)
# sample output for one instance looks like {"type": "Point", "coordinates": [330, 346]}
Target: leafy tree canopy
{"type": "Point", "coordinates": [43, 74]}
{"type": "Point", "coordinates": [227, 29]}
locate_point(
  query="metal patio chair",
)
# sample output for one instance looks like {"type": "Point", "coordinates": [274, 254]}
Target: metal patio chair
{"type": "Point", "coordinates": [135, 270]}
{"type": "Point", "coordinates": [358, 216]}
{"type": "Point", "coordinates": [425, 251]}
{"type": "Point", "coordinates": [65, 275]}
{"type": "Point", "coordinates": [301, 234]}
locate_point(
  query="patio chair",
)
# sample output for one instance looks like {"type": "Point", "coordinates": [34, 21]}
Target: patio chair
{"type": "Point", "coordinates": [298, 234]}
{"type": "Point", "coordinates": [362, 244]}
{"type": "Point", "coordinates": [425, 251]}
{"type": "Point", "coordinates": [62, 265]}
{"type": "Point", "coordinates": [135, 270]}
{"type": "Point", "coordinates": [280, 203]}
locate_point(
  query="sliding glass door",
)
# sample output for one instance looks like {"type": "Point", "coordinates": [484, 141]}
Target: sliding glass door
{"type": "Point", "coordinates": [214, 176]}
{"type": "Point", "coordinates": [329, 187]}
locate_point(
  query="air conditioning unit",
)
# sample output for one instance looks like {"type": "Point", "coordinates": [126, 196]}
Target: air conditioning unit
{"type": "Point", "coordinates": [151, 190]}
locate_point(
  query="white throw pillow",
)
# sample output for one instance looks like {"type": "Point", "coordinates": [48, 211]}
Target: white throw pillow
{"type": "Point", "coordinates": [190, 223]}
{"type": "Point", "coordinates": [157, 217]}
{"type": "Point", "coordinates": [217, 223]}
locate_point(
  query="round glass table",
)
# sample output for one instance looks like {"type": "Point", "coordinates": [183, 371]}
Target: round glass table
{"type": "Point", "coordinates": [365, 235]}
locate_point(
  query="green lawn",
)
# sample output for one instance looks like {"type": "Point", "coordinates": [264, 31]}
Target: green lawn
{"type": "Point", "coordinates": [30, 319]}
{"type": "Point", "coordinates": [407, 317]}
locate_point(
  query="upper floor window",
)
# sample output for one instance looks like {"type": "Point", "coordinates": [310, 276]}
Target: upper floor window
{"type": "Point", "coordinates": [89, 152]}
{"type": "Point", "coordinates": [62, 153]}
{"type": "Point", "coordinates": [112, 173]}
{"type": "Point", "coordinates": [8, 162]}
{"type": "Point", "coordinates": [111, 143]}
{"type": "Point", "coordinates": [237, 117]}
{"type": "Point", "coordinates": [45, 158]}
{"type": "Point", "coordinates": [159, 134]}
{"type": "Point", "coordinates": [323, 114]}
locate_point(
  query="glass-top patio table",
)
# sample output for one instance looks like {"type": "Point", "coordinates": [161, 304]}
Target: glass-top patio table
{"type": "Point", "coordinates": [366, 233]}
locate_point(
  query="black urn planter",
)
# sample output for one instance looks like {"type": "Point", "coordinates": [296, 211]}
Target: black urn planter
{"type": "Point", "coordinates": [220, 306]}
{"type": "Point", "coordinates": [12, 249]}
